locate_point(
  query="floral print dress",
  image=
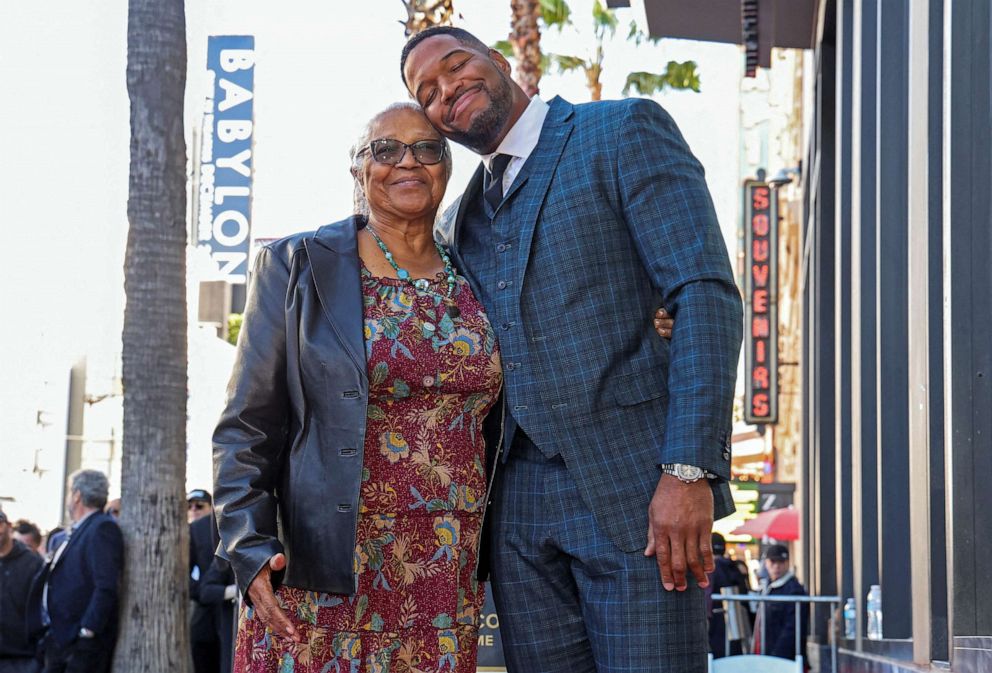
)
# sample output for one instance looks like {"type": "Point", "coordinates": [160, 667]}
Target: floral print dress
{"type": "Point", "coordinates": [432, 380]}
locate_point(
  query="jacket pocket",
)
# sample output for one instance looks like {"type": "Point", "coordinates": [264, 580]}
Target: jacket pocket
{"type": "Point", "coordinates": [643, 386]}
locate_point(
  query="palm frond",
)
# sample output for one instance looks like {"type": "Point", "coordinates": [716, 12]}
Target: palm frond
{"type": "Point", "coordinates": [555, 13]}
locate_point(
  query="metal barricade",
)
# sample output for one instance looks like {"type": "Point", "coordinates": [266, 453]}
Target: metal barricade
{"type": "Point", "coordinates": [731, 599]}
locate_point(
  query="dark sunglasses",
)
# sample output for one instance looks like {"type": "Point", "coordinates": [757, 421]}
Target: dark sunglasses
{"type": "Point", "coordinates": [391, 151]}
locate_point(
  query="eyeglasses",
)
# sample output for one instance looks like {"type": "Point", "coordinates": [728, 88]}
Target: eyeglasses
{"type": "Point", "coordinates": [391, 151]}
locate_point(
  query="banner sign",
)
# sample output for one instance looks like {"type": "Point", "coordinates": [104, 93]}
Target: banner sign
{"type": "Point", "coordinates": [223, 220]}
{"type": "Point", "coordinates": [490, 646]}
{"type": "Point", "coordinates": [761, 303]}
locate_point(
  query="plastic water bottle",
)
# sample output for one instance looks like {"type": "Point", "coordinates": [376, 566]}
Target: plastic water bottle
{"type": "Point", "coordinates": [850, 620]}
{"type": "Point", "coordinates": [874, 610]}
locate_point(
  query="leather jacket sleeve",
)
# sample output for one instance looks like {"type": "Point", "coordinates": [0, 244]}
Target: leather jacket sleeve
{"type": "Point", "coordinates": [251, 436]}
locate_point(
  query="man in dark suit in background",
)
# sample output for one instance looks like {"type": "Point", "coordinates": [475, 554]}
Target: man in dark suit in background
{"type": "Point", "coordinates": [203, 541]}
{"type": "Point", "coordinates": [219, 590]}
{"type": "Point", "coordinates": [76, 594]}
{"type": "Point", "coordinates": [579, 222]}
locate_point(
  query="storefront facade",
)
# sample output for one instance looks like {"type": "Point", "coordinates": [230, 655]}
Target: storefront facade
{"type": "Point", "coordinates": [896, 300]}
{"type": "Point", "coordinates": [897, 296]}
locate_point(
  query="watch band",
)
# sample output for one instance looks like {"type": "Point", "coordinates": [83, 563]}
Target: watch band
{"type": "Point", "coordinates": [673, 469]}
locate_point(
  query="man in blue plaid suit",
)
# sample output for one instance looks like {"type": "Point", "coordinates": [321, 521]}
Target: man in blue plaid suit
{"type": "Point", "coordinates": [579, 222]}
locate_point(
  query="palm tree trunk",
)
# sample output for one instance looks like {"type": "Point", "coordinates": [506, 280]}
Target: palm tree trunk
{"type": "Point", "coordinates": [525, 38]}
{"type": "Point", "coordinates": [154, 632]}
{"type": "Point", "coordinates": [593, 83]}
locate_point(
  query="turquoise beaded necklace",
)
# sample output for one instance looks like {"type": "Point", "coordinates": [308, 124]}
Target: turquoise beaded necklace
{"type": "Point", "coordinates": [423, 284]}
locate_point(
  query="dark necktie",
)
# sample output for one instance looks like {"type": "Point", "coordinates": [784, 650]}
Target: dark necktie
{"type": "Point", "coordinates": [494, 191]}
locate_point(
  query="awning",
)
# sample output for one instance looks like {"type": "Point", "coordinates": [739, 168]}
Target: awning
{"type": "Point", "coordinates": [780, 23]}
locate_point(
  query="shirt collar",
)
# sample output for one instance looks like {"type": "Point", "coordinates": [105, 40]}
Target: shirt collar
{"type": "Point", "coordinates": [780, 582]}
{"type": "Point", "coordinates": [522, 137]}
{"type": "Point", "coordinates": [79, 523]}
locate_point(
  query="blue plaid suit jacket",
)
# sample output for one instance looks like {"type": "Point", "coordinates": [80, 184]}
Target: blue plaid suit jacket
{"type": "Point", "coordinates": [609, 219]}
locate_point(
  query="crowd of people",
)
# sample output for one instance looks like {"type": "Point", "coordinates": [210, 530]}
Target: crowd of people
{"type": "Point", "coordinates": [60, 591]}
{"type": "Point", "coordinates": [745, 627]}
{"type": "Point", "coordinates": [78, 604]}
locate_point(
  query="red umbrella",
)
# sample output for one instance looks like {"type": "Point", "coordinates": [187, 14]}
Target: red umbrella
{"type": "Point", "coordinates": [781, 524]}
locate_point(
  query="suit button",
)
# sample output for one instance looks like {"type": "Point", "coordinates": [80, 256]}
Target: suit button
{"type": "Point", "coordinates": [501, 285]}
{"type": "Point", "coordinates": [501, 247]}
{"type": "Point", "coordinates": [506, 326]}
{"type": "Point", "coordinates": [510, 366]}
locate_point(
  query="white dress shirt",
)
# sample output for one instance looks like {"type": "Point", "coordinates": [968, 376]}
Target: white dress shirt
{"type": "Point", "coordinates": [520, 141]}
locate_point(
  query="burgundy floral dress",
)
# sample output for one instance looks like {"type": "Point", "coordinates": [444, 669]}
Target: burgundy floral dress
{"type": "Point", "coordinates": [432, 380]}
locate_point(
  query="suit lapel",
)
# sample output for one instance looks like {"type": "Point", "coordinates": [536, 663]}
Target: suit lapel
{"type": "Point", "coordinates": [333, 256]}
{"type": "Point", "coordinates": [73, 541]}
{"type": "Point", "coordinates": [537, 174]}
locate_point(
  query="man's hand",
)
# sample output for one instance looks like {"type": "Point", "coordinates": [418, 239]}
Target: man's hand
{"type": "Point", "coordinates": [663, 323]}
{"type": "Point", "coordinates": [680, 528]}
{"type": "Point", "coordinates": [264, 599]}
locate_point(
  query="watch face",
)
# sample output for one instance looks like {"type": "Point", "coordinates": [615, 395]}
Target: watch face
{"type": "Point", "coordinates": [689, 472]}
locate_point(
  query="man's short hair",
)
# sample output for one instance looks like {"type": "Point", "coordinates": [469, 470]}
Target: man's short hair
{"type": "Point", "coordinates": [460, 34]}
{"type": "Point", "coordinates": [93, 487]}
{"type": "Point", "coordinates": [28, 529]}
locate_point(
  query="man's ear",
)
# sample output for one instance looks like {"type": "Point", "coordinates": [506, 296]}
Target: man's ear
{"type": "Point", "coordinates": [500, 61]}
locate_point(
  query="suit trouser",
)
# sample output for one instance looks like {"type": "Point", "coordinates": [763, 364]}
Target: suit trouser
{"type": "Point", "coordinates": [570, 600]}
{"type": "Point", "coordinates": [21, 665]}
{"type": "Point", "coordinates": [203, 638]}
{"type": "Point", "coordinates": [85, 655]}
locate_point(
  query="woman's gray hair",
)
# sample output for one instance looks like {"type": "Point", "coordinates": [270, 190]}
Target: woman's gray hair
{"type": "Point", "coordinates": [358, 157]}
{"type": "Point", "coordinates": [92, 485]}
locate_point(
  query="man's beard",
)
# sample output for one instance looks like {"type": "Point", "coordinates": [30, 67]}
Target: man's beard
{"type": "Point", "coordinates": [481, 135]}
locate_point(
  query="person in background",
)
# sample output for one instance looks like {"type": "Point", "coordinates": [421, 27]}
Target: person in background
{"type": "Point", "coordinates": [203, 541]}
{"type": "Point", "coordinates": [199, 503]}
{"type": "Point", "coordinates": [745, 573]}
{"type": "Point", "coordinates": [18, 566]}
{"type": "Point", "coordinates": [54, 538]}
{"type": "Point", "coordinates": [113, 508]}
{"type": "Point", "coordinates": [29, 534]}
{"type": "Point", "coordinates": [780, 618]}
{"type": "Point", "coordinates": [725, 575]}
{"type": "Point", "coordinates": [76, 594]}
{"type": "Point", "coordinates": [219, 589]}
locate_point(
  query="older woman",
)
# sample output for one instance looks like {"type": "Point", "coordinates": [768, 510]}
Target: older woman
{"type": "Point", "coordinates": [350, 462]}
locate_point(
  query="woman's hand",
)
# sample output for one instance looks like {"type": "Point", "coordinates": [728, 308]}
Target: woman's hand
{"type": "Point", "coordinates": [663, 323]}
{"type": "Point", "coordinates": [264, 600]}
